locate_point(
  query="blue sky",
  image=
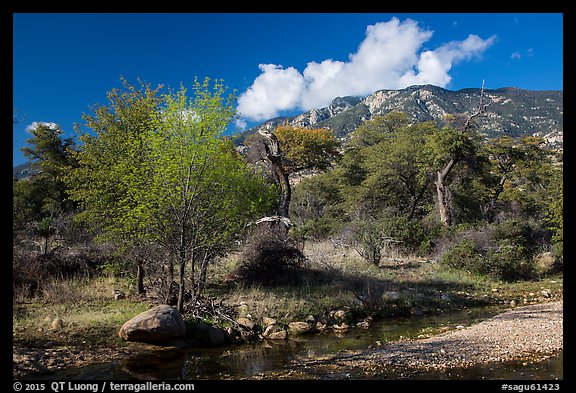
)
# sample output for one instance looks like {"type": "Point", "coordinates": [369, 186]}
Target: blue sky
{"type": "Point", "coordinates": [280, 64]}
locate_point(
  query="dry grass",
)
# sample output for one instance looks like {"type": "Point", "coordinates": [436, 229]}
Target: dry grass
{"type": "Point", "coordinates": [86, 307]}
{"type": "Point", "coordinates": [337, 277]}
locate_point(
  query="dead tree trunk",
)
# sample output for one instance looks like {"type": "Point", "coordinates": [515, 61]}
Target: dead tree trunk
{"type": "Point", "coordinates": [140, 279]}
{"type": "Point", "coordinates": [273, 153]}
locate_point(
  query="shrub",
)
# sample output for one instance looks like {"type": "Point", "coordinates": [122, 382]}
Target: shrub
{"type": "Point", "coordinates": [508, 261]}
{"type": "Point", "coordinates": [503, 251]}
{"type": "Point", "coordinates": [32, 270]}
{"type": "Point", "coordinates": [463, 255]}
{"type": "Point", "coordinates": [369, 240]}
{"type": "Point", "coordinates": [269, 259]}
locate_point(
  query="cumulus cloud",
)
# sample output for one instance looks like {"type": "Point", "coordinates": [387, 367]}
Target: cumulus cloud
{"type": "Point", "coordinates": [390, 57]}
{"type": "Point", "coordinates": [515, 55]}
{"type": "Point", "coordinates": [274, 90]}
{"type": "Point", "coordinates": [36, 124]}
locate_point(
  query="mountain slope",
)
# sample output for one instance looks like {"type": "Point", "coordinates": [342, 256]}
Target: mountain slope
{"type": "Point", "coordinates": [512, 111]}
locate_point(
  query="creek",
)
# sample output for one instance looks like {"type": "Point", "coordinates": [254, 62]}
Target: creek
{"type": "Point", "coordinates": [257, 359]}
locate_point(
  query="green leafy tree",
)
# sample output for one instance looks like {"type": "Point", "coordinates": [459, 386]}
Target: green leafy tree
{"type": "Point", "coordinates": [456, 143]}
{"type": "Point", "coordinates": [175, 181]}
{"type": "Point", "coordinates": [379, 128]}
{"type": "Point", "coordinates": [399, 168]}
{"type": "Point", "coordinates": [41, 202]}
{"type": "Point", "coordinates": [202, 195]}
{"type": "Point", "coordinates": [112, 167]}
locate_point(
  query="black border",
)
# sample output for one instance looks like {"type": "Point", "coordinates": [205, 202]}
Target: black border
{"type": "Point", "coordinates": [9, 7]}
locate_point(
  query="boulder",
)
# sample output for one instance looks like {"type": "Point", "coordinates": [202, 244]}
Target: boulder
{"type": "Point", "coordinates": [216, 336]}
{"type": "Point", "coordinates": [161, 323]}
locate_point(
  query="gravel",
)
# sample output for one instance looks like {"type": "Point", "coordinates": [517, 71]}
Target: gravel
{"type": "Point", "coordinates": [528, 333]}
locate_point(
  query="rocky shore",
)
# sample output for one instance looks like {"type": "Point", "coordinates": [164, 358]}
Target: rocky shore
{"type": "Point", "coordinates": [528, 333]}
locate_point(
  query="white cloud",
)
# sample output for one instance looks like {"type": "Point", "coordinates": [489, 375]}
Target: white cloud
{"type": "Point", "coordinates": [390, 57]}
{"type": "Point", "coordinates": [35, 124]}
{"type": "Point", "coordinates": [516, 55]}
{"type": "Point", "coordinates": [241, 124]}
{"type": "Point", "coordinates": [274, 90]}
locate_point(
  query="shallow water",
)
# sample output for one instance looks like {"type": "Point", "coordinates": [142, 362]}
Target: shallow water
{"type": "Point", "coordinates": [247, 361]}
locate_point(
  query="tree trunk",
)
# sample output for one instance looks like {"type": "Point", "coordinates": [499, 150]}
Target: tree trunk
{"type": "Point", "coordinates": [443, 203]}
{"type": "Point", "coordinates": [45, 251]}
{"type": "Point", "coordinates": [443, 193]}
{"type": "Point", "coordinates": [285, 189]}
{"type": "Point", "coordinates": [181, 286]}
{"type": "Point", "coordinates": [182, 263]}
{"type": "Point", "coordinates": [140, 279]}
{"type": "Point", "coordinates": [499, 190]}
{"type": "Point", "coordinates": [273, 153]}
{"type": "Point", "coordinates": [203, 272]}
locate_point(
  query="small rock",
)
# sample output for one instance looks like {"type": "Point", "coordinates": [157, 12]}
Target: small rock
{"type": "Point", "coordinates": [341, 328]}
{"type": "Point", "coordinates": [460, 327]}
{"type": "Point", "coordinates": [268, 321]}
{"type": "Point", "coordinates": [363, 324]}
{"type": "Point", "coordinates": [298, 327]}
{"type": "Point", "coordinates": [281, 335]}
{"type": "Point", "coordinates": [246, 323]}
{"type": "Point", "coordinates": [118, 294]}
{"type": "Point", "coordinates": [546, 293]}
{"type": "Point", "coordinates": [269, 330]}
{"type": "Point", "coordinates": [57, 324]}
{"type": "Point", "coordinates": [340, 315]}
{"type": "Point", "coordinates": [446, 297]}
{"type": "Point", "coordinates": [513, 303]}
